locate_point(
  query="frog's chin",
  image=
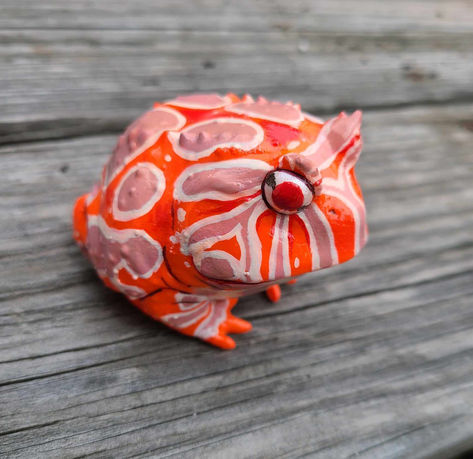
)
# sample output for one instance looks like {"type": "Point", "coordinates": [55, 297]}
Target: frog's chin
{"type": "Point", "coordinates": [243, 284]}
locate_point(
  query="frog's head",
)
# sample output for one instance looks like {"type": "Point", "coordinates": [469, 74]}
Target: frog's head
{"type": "Point", "coordinates": [249, 221]}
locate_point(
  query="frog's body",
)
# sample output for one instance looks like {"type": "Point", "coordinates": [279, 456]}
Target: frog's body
{"type": "Point", "coordinates": [208, 198]}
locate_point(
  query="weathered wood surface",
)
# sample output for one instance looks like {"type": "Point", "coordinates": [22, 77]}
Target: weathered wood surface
{"type": "Point", "coordinates": [371, 359]}
{"type": "Point", "coordinates": [91, 66]}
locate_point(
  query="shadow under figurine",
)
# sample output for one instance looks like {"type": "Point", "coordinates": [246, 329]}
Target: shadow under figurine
{"type": "Point", "coordinates": [207, 198]}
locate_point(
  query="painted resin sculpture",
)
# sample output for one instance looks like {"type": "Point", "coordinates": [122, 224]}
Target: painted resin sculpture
{"type": "Point", "coordinates": [207, 198]}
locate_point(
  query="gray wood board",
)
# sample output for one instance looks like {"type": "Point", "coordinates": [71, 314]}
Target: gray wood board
{"type": "Point", "coordinates": [373, 358]}
{"type": "Point", "coordinates": [92, 66]}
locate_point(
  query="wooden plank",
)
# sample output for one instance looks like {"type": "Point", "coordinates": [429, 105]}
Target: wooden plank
{"type": "Point", "coordinates": [436, 16]}
{"type": "Point", "coordinates": [371, 358]}
{"type": "Point", "coordinates": [93, 66]}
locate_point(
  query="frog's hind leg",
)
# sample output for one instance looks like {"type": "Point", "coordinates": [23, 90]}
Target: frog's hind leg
{"type": "Point", "coordinates": [210, 320]}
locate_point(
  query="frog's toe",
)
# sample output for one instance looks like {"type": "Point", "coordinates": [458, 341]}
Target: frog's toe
{"type": "Point", "coordinates": [222, 341]}
{"type": "Point", "coordinates": [231, 324]}
{"type": "Point", "coordinates": [236, 325]}
{"type": "Point", "coordinates": [274, 293]}
{"type": "Point", "coordinates": [292, 281]}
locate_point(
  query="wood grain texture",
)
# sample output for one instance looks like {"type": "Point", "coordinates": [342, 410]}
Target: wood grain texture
{"type": "Point", "coordinates": [91, 67]}
{"type": "Point", "coordinates": [372, 359]}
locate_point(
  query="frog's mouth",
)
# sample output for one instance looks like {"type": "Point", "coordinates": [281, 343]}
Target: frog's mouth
{"type": "Point", "coordinates": [242, 288]}
{"type": "Point", "coordinates": [239, 284]}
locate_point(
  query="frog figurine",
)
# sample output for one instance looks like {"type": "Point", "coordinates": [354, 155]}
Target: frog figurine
{"type": "Point", "coordinates": [206, 198]}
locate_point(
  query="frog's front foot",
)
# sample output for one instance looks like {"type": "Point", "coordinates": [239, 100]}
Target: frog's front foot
{"type": "Point", "coordinates": [274, 293]}
{"type": "Point", "coordinates": [231, 324]}
{"type": "Point", "coordinates": [210, 320]}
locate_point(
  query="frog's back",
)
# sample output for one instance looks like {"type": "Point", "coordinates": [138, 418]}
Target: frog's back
{"type": "Point", "coordinates": [123, 223]}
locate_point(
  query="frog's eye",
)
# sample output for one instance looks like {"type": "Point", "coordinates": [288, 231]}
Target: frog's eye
{"type": "Point", "coordinates": [286, 192]}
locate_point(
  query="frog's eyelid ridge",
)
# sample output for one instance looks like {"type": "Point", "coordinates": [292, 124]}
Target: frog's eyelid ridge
{"type": "Point", "coordinates": [221, 181]}
{"type": "Point", "coordinates": [335, 135]}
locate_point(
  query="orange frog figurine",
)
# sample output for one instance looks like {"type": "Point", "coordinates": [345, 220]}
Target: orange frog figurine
{"type": "Point", "coordinates": [207, 198]}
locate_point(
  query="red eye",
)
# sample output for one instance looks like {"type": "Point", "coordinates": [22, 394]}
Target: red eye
{"type": "Point", "coordinates": [286, 192]}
